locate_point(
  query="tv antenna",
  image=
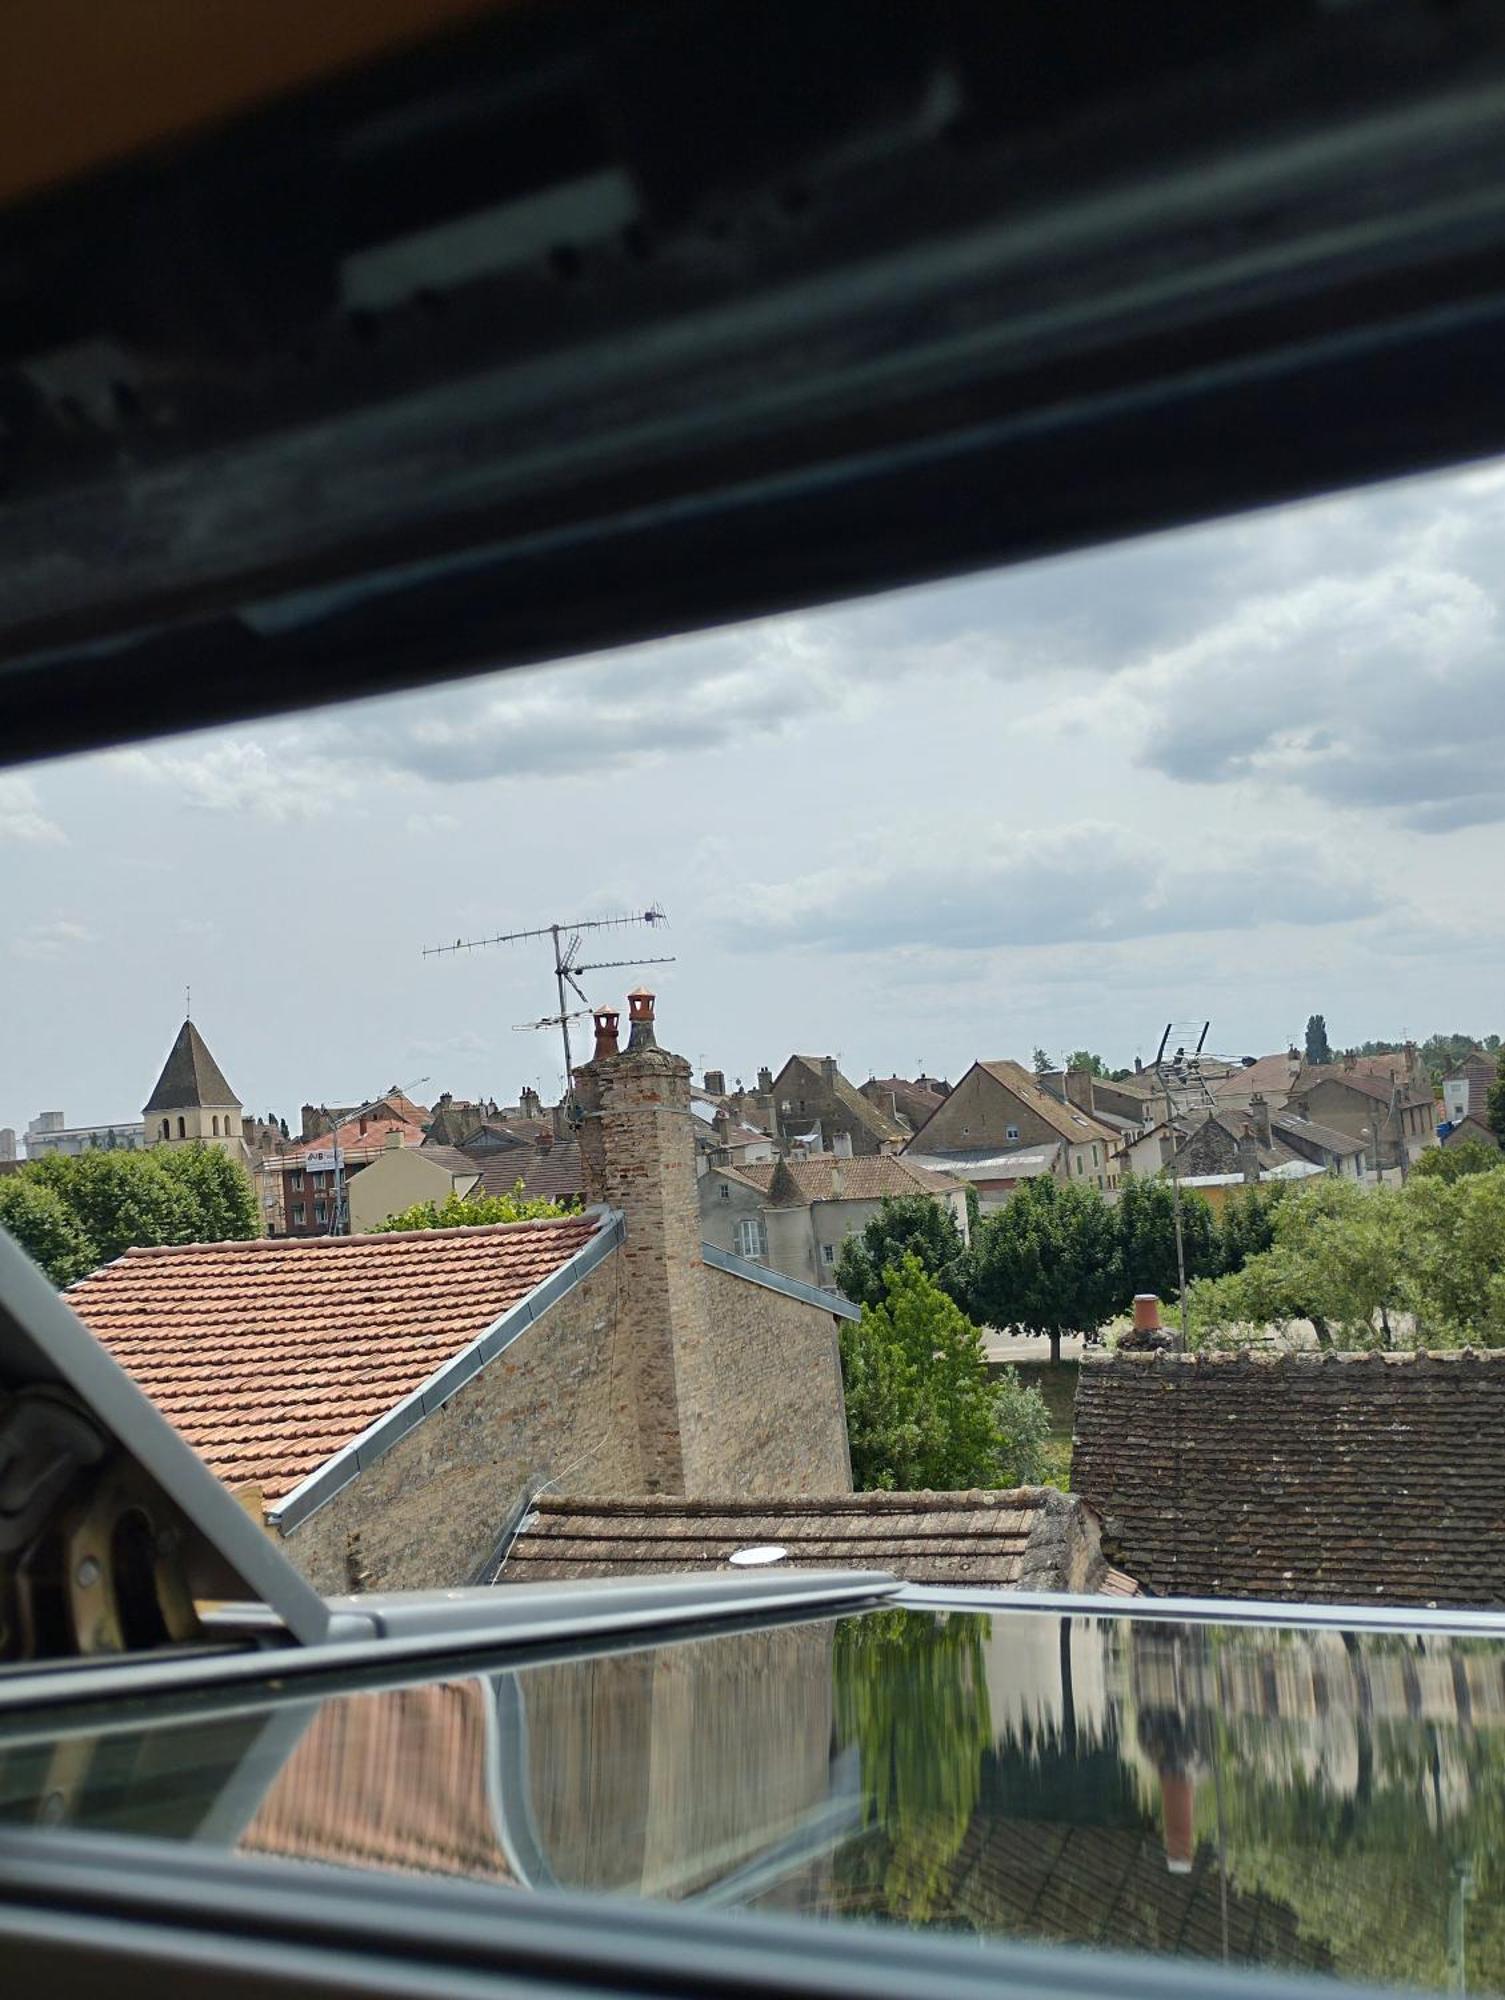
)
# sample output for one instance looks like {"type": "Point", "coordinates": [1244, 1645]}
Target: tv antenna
{"type": "Point", "coordinates": [1182, 1073]}
{"type": "Point", "coordinates": [569, 969]}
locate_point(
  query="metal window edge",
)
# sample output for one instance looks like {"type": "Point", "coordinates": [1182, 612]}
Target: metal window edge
{"type": "Point", "coordinates": [343, 1466]}
{"type": "Point", "coordinates": [775, 1281]}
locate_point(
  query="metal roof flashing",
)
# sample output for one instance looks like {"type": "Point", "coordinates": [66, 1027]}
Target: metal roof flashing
{"type": "Point", "coordinates": [352, 1459]}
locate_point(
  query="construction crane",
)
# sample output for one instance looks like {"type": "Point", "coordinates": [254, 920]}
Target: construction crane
{"type": "Point", "coordinates": [569, 969]}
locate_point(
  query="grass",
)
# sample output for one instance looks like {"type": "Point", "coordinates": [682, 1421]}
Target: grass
{"type": "Point", "coordinates": [1058, 1387]}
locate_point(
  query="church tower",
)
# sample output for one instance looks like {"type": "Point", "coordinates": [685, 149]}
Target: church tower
{"type": "Point", "coordinates": [192, 1099]}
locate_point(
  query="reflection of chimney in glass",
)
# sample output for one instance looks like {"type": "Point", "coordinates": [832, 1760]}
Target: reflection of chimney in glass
{"type": "Point", "coordinates": [1178, 1797]}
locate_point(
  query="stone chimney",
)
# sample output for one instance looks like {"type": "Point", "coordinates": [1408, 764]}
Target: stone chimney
{"type": "Point", "coordinates": [1248, 1154]}
{"type": "Point", "coordinates": [637, 1154]}
{"type": "Point", "coordinates": [1259, 1118]}
{"type": "Point", "coordinates": [1350, 1060]}
{"type": "Point", "coordinates": [828, 1071]}
{"type": "Point", "coordinates": [765, 1083]}
{"type": "Point", "coordinates": [1079, 1089]}
{"type": "Point", "coordinates": [715, 1083]}
{"type": "Point", "coordinates": [529, 1103]}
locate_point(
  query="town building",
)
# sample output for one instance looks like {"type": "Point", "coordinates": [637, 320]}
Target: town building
{"type": "Point", "coordinates": [401, 1176]}
{"type": "Point", "coordinates": [1219, 1147]}
{"type": "Point", "coordinates": [816, 1110]}
{"type": "Point", "coordinates": [794, 1215]}
{"type": "Point", "coordinates": [1466, 1087]}
{"type": "Point", "coordinates": [7, 1143]}
{"type": "Point", "coordinates": [1309, 1478]}
{"type": "Point", "coordinates": [49, 1133]}
{"type": "Point", "coordinates": [1394, 1113]}
{"type": "Point", "coordinates": [999, 1126]}
{"type": "Point", "coordinates": [1127, 1106]}
{"type": "Point", "coordinates": [1471, 1128]}
{"type": "Point", "coordinates": [394, 1404]}
{"type": "Point", "coordinates": [192, 1103]}
{"type": "Point", "coordinates": [317, 1174]}
{"type": "Point", "coordinates": [904, 1103]}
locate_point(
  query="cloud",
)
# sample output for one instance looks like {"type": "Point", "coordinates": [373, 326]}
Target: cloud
{"type": "Point", "coordinates": [998, 889]}
{"type": "Point", "coordinates": [1376, 684]}
{"type": "Point", "coordinates": [244, 775]}
{"type": "Point", "coordinates": [21, 815]}
{"type": "Point", "coordinates": [420, 824]}
{"type": "Point", "coordinates": [51, 940]}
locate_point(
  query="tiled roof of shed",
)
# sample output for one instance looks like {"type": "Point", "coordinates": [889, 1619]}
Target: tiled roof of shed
{"type": "Point", "coordinates": [272, 1355]}
{"type": "Point", "coordinates": [1349, 1479]}
{"type": "Point", "coordinates": [1019, 1538]}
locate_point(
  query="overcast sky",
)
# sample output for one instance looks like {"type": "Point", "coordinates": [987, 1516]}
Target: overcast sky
{"type": "Point", "coordinates": [1247, 772]}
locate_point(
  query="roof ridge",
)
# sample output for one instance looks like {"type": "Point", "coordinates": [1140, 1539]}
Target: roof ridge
{"type": "Point", "coordinates": [370, 1238]}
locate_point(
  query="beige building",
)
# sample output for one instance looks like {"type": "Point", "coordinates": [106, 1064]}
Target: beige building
{"type": "Point", "coordinates": [794, 1215]}
{"type": "Point", "coordinates": [1395, 1115]}
{"type": "Point", "coordinates": [192, 1100]}
{"type": "Point", "coordinates": [402, 1176]}
{"type": "Point", "coordinates": [1000, 1126]}
{"type": "Point", "coordinates": [816, 1109]}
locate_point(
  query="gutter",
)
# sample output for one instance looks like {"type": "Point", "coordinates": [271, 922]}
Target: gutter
{"type": "Point", "coordinates": [775, 1281]}
{"type": "Point", "coordinates": [350, 1460]}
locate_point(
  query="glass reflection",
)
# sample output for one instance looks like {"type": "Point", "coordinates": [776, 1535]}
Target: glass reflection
{"type": "Point", "coordinates": [1286, 1798]}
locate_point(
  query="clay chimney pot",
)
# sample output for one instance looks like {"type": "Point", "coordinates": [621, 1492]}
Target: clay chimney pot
{"type": "Point", "coordinates": [606, 1019]}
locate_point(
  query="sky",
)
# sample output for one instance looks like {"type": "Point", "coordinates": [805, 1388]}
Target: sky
{"type": "Point", "coordinates": [1241, 773]}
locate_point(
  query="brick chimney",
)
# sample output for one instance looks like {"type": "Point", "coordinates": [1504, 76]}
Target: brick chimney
{"type": "Point", "coordinates": [715, 1083]}
{"type": "Point", "coordinates": [637, 1154]}
{"type": "Point", "coordinates": [1259, 1118]}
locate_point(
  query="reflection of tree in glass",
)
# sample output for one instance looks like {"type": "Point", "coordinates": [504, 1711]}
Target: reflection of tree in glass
{"type": "Point", "coordinates": [912, 1695]}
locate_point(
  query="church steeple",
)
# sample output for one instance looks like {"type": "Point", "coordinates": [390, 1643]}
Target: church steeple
{"type": "Point", "coordinates": [192, 1100]}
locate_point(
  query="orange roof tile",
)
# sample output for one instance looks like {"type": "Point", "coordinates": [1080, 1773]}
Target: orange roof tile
{"type": "Point", "coordinates": [271, 1356]}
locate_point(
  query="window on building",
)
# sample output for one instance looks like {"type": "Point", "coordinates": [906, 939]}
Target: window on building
{"type": "Point", "coordinates": [297, 1215]}
{"type": "Point", "coordinates": [297, 1181]}
{"type": "Point", "coordinates": [1081, 1164]}
{"type": "Point", "coordinates": [1011, 1131]}
{"type": "Point", "coordinates": [1096, 1157]}
{"type": "Point", "coordinates": [751, 1237]}
{"type": "Point", "coordinates": [321, 1212]}
{"type": "Point", "coordinates": [828, 1253]}
{"type": "Point", "coordinates": [214, 1126]}
{"type": "Point", "coordinates": [724, 1191]}
{"type": "Point", "coordinates": [182, 1128]}
{"type": "Point", "coordinates": [166, 1129]}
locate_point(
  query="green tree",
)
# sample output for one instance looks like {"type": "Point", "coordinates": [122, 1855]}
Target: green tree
{"type": "Point", "coordinates": [1043, 1063]}
{"type": "Point", "coordinates": [123, 1200]}
{"type": "Point", "coordinates": [1451, 1163]}
{"type": "Point", "coordinates": [921, 1409]}
{"type": "Point", "coordinates": [905, 1225]}
{"type": "Point", "coordinates": [45, 1227]}
{"type": "Point", "coordinates": [1494, 1103]}
{"type": "Point", "coordinates": [219, 1188]}
{"type": "Point", "coordinates": [1085, 1059]}
{"type": "Point", "coordinates": [1318, 1049]}
{"type": "Point", "coordinates": [1047, 1263]}
{"type": "Point", "coordinates": [1146, 1221]}
{"type": "Point", "coordinates": [1246, 1225]}
{"type": "Point", "coordinates": [455, 1212]}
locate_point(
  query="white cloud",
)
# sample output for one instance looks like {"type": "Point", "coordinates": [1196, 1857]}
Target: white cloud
{"type": "Point", "coordinates": [420, 824]}
{"type": "Point", "coordinates": [242, 775]}
{"type": "Point", "coordinates": [21, 815]}
{"type": "Point", "coordinates": [985, 888]}
{"type": "Point", "coordinates": [41, 942]}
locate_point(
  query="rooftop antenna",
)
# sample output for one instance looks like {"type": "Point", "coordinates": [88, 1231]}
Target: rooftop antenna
{"type": "Point", "coordinates": [569, 969]}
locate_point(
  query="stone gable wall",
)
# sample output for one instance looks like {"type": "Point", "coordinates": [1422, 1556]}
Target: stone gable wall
{"type": "Point", "coordinates": [779, 1418]}
{"type": "Point", "coordinates": [431, 1510]}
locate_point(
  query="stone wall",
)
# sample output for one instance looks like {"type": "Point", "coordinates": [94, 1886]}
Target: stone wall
{"type": "Point", "coordinates": [776, 1419]}
{"type": "Point", "coordinates": [431, 1510]}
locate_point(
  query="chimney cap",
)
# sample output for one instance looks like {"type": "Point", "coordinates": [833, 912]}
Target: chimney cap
{"type": "Point", "coordinates": [640, 1015]}
{"type": "Point", "coordinates": [606, 1019]}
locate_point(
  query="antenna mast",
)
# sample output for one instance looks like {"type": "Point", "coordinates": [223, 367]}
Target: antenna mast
{"type": "Point", "coordinates": [569, 968]}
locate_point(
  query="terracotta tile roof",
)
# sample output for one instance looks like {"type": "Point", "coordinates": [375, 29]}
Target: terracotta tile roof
{"type": "Point", "coordinates": [1071, 1122]}
{"type": "Point", "coordinates": [1349, 1479]}
{"type": "Point", "coordinates": [1025, 1538]}
{"type": "Point", "coordinates": [355, 1143]}
{"type": "Point", "coordinates": [190, 1076]}
{"type": "Point", "coordinates": [866, 1179]}
{"type": "Point", "coordinates": [270, 1356]}
{"type": "Point", "coordinates": [396, 1779]}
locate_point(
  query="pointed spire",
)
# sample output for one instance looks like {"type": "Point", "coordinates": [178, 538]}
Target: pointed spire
{"type": "Point", "coordinates": [190, 1077]}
